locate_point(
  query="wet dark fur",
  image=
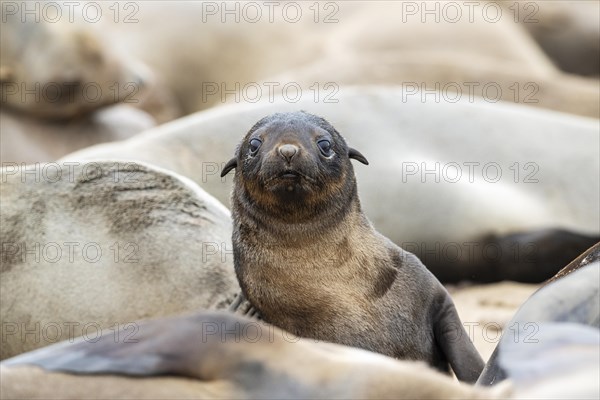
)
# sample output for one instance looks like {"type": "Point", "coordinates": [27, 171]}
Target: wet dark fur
{"type": "Point", "coordinates": [310, 261]}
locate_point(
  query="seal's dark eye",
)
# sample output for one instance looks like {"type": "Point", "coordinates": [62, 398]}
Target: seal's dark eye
{"type": "Point", "coordinates": [325, 147]}
{"type": "Point", "coordinates": [255, 145]}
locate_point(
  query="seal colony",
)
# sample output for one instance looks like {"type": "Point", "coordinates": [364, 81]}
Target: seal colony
{"type": "Point", "coordinates": [310, 262]}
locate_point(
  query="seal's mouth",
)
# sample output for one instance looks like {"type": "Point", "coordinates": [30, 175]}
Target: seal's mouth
{"type": "Point", "coordinates": [289, 177]}
{"type": "Point", "coordinates": [289, 174]}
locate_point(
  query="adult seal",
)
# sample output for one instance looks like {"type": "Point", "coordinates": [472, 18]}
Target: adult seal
{"type": "Point", "coordinates": [310, 262]}
{"type": "Point", "coordinates": [558, 331]}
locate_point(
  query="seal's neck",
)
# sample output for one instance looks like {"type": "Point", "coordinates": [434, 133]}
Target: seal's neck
{"type": "Point", "coordinates": [312, 225]}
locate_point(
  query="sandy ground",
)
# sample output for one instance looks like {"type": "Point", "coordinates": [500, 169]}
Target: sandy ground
{"type": "Point", "coordinates": [486, 310]}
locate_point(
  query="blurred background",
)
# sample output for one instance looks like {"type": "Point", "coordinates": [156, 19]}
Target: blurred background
{"type": "Point", "coordinates": [89, 72]}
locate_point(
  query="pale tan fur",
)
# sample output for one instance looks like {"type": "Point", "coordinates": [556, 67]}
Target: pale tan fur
{"type": "Point", "coordinates": [568, 31]}
{"type": "Point", "coordinates": [26, 139]}
{"type": "Point", "coordinates": [398, 48]}
{"type": "Point", "coordinates": [404, 381]}
{"type": "Point", "coordinates": [172, 240]}
{"type": "Point", "coordinates": [276, 366]}
{"type": "Point", "coordinates": [37, 57]}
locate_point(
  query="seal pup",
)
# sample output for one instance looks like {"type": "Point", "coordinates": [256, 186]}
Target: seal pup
{"type": "Point", "coordinates": [310, 261]}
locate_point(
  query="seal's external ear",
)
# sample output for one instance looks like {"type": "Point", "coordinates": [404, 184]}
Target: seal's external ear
{"type": "Point", "coordinates": [357, 156]}
{"type": "Point", "coordinates": [231, 164]}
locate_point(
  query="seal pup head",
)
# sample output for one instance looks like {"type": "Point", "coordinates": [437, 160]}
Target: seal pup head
{"type": "Point", "coordinates": [291, 165]}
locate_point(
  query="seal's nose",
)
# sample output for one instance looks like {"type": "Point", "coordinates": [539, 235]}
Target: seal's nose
{"type": "Point", "coordinates": [288, 151]}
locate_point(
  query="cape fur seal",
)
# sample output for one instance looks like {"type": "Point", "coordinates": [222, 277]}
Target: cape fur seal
{"type": "Point", "coordinates": [551, 349]}
{"type": "Point", "coordinates": [571, 297]}
{"type": "Point", "coordinates": [310, 262]}
{"type": "Point", "coordinates": [209, 355]}
{"type": "Point", "coordinates": [82, 240]}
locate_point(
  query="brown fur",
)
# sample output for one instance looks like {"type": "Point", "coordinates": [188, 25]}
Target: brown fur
{"type": "Point", "coordinates": [590, 255]}
{"type": "Point", "coordinates": [311, 262]}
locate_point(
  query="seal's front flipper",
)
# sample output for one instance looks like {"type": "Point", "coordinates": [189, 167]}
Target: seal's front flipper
{"type": "Point", "coordinates": [455, 343]}
{"type": "Point", "coordinates": [241, 306]}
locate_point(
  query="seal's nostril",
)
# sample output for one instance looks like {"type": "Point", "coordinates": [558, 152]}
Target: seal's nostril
{"type": "Point", "coordinates": [288, 151]}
